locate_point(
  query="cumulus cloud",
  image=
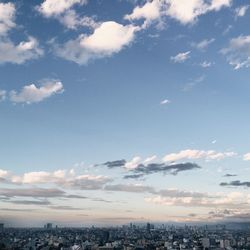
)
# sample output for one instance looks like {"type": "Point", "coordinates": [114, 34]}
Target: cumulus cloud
{"type": "Point", "coordinates": [50, 7]}
{"type": "Point", "coordinates": [188, 11]}
{"type": "Point", "coordinates": [238, 52]}
{"type": "Point", "coordinates": [197, 154]}
{"type": "Point", "coordinates": [62, 178]}
{"type": "Point", "coordinates": [7, 17]}
{"type": "Point", "coordinates": [183, 11]}
{"type": "Point", "coordinates": [107, 39]}
{"type": "Point", "coordinates": [63, 12]}
{"type": "Point", "coordinates": [31, 93]}
{"type": "Point", "coordinates": [150, 11]}
{"type": "Point", "coordinates": [181, 57]}
{"type": "Point", "coordinates": [19, 53]}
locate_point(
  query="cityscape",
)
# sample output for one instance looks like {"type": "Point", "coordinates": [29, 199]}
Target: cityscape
{"type": "Point", "coordinates": [128, 237]}
{"type": "Point", "coordinates": [124, 124]}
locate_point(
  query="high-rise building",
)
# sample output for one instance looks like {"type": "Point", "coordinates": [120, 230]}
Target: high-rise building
{"type": "Point", "coordinates": [148, 227]}
{"type": "Point", "coordinates": [48, 226]}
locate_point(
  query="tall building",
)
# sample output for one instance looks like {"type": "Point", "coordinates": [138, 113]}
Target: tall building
{"type": "Point", "coordinates": [48, 226]}
{"type": "Point", "coordinates": [148, 227]}
{"type": "Point", "coordinates": [1, 226]}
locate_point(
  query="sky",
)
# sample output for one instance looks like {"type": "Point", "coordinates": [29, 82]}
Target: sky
{"type": "Point", "coordinates": [124, 110]}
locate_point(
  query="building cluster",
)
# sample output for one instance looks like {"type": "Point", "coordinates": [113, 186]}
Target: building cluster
{"type": "Point", "coordinates": [129, 237]}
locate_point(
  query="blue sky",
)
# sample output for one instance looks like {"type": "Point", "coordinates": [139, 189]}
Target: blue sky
{"type": "Point", "coordinates": [139, 109]}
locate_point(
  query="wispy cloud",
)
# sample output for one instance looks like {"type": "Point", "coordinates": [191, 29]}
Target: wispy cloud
{"type": "Point", "coordinates": [238, 52]}
{"type": "Point", "coordinates": [202, 45]}
{"type": "Point", "coordinates": [191, 84]}
{"type": "Point", "coordinates": [181, 57]}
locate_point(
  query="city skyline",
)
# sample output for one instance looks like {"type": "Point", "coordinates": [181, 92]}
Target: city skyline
{"type": "Point", "coordinates": [119, 111]}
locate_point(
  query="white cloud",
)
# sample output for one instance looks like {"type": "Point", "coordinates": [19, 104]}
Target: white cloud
{"type": "Point", "coordinates": [109, 38]}
{"type": "Point", "coordinates": [241, 11]}
{"type": "Point", "coordinates": [205, 64]}
{"type": "Point", "coordinates": [52, 8]}
{"type": "Point", "coordinates": [164, 102]}
{"type": "Point", "coordinates": [31, 93]}
{"type": "Point", "coordinates": [150, 12]}
{"type": "Point", "coordinates": [246, 157]}
{"type": "Point", "coordinates": [20, 53]}
{"type": "Point", "coordinates": [2, 95]}
{"type": "Point", "coordinates": [7, 17]}
{"type": "Point", "coordinates": [9, 51]}
{"type": "Point", "coordinates": [133, 163]}
{"type": "Point", "coordinates": [181, 57]}
{"type": "Point", "coordinates": [63, 178]}
{"type": "Point", "coordinates": [202, 45]}
{"type": "Point", "coordinates": [185, 11]}
{"type": "Point", "coordinates": [3, 173]}
{"type": "Point", "coordinates": [63, 11]}
{"type": "Point", "coordinates": [182, 10]}
{"type": "Point", "coordinates": [238, 52]}
{"type": "Point", "coordinates": [197, 154]}
{"type": "Point", "coordinates": [218, 4]}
